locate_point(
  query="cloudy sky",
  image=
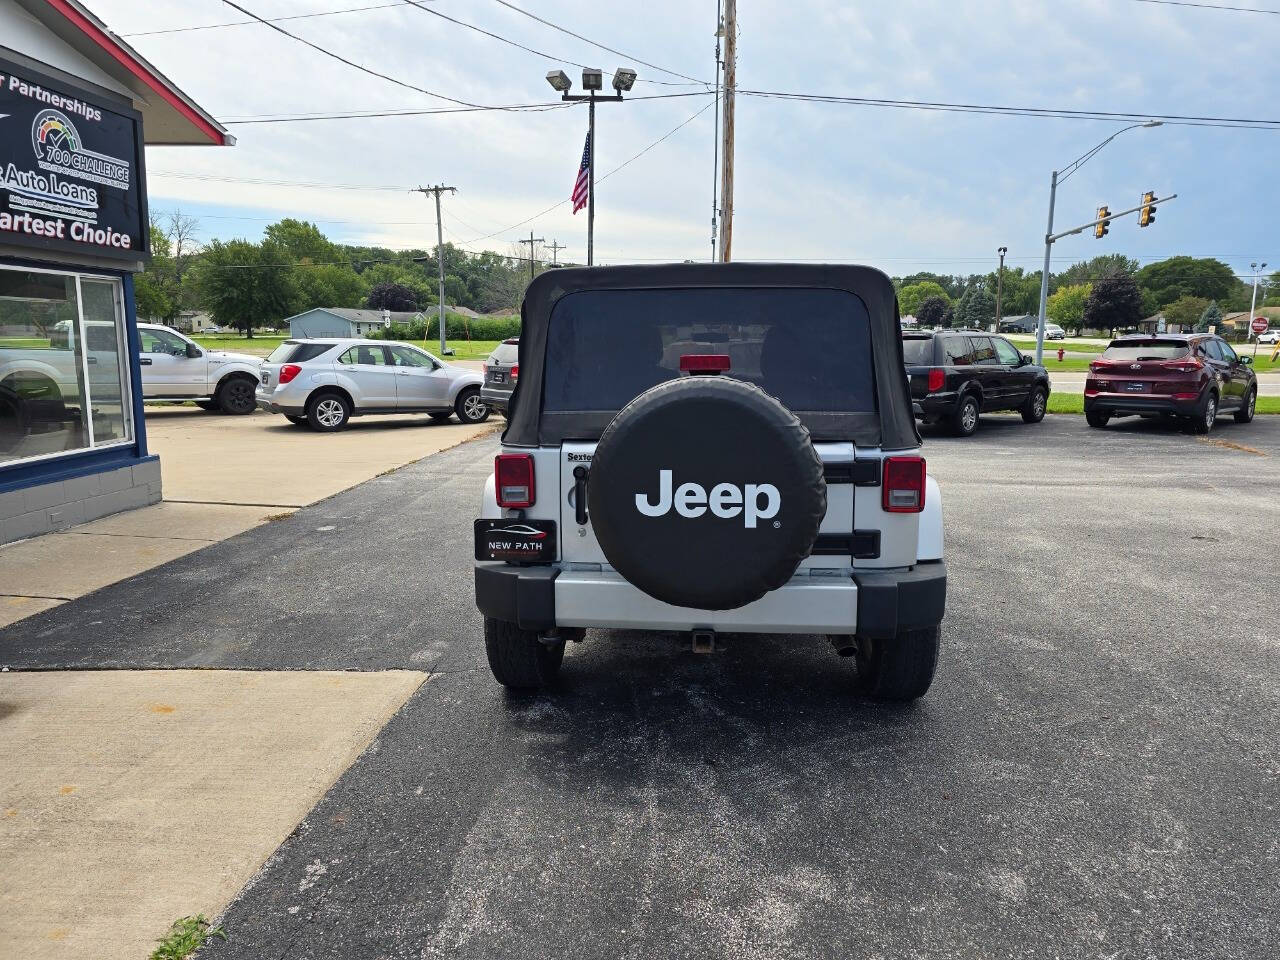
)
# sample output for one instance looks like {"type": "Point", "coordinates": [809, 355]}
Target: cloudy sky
{"type": "Point", "coordinates": [902, 189]}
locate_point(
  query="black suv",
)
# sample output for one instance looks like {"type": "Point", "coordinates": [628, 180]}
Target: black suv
{"type": "Point", "coordinates": [957, 375]}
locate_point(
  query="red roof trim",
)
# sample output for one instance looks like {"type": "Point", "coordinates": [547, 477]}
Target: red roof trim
{"type": "Point", "coordinates": [94, 33]}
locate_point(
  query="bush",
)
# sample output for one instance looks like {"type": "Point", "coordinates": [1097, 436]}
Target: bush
{"type": "Point", "coordinates": [457, 326]}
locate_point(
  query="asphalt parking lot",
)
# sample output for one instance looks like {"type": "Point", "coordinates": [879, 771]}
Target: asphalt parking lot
{"type": "Point", "coordinates": [1095, 772]}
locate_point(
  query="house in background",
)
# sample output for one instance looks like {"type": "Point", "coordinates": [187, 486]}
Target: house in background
{"type": "Point", "coordinates": [194, 321]}
{"type": "Point", "coordinates": [346, 322]}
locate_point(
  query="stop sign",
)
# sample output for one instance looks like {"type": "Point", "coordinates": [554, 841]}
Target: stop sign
{"type": "Point", "coordinates": [1259, 325]}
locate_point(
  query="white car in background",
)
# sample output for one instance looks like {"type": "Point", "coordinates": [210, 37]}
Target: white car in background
{"type": "Point", "coordinates": [1270, 336]}
{"type": "Point", "coordinates": [175, 367]}
{"type": "Point", "coordinates": [325, 382]}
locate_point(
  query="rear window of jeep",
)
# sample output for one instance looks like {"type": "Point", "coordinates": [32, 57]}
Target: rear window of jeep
{"type": "Point", "coordinates": [809, 348]}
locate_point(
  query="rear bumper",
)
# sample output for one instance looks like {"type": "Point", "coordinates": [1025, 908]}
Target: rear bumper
{"type": "Point", "coordinates": [1119, 404]}
{"type": "Point", "coordinates": [873, 603]}
{"type": "Point", "coordinates": [935, 406]}
{"type": "Point", "coordinates": [496, 397]}
{"type": "Point", "coordinates": [272, 407]}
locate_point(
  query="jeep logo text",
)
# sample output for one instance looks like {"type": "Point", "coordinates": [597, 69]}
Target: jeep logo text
{"type": "Point", "coordinates": [755, 501]}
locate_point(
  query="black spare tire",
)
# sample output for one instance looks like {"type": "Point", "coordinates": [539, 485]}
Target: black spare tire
{"type": "Point", "coordinates": [706, 492]}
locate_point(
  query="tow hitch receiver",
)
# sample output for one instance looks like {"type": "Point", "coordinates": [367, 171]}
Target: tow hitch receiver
{"type": "Point", "coordinates": [704, 641]}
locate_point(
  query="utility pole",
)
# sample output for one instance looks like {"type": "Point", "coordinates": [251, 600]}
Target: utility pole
{"type": "Point", "coordinates": [1000, 286]}
{"type": "Point", "coordinates": [437, 190]}
{"type": "Point", "coordinates": [531, 241]}
{"type": "Point", "coordinates": [715, 143]}
{"type": "Point", "coordinates": [730, 85]}
{"type": "Point", "coordinates": [555, 246]}
{"type": "Point", "coordinates": [1253, 305]}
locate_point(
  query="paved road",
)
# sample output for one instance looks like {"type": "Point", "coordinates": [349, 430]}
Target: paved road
{"type": "Point", "coordinates": [1094, 774]}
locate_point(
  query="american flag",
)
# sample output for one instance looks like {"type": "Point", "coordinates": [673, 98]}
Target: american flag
{"type": "Point", "coordinates": [582, 184]}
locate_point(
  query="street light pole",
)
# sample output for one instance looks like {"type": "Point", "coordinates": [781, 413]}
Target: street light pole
{"type": "Point", "coordinates": [1000, 285]}
{"type": "Point", "coordinates": [623, 79]}
{"type": "Point", "coordinates": [1048, 235]}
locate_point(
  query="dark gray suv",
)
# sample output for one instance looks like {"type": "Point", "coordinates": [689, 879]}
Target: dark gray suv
{"type": "Point", "coordinates": [501, 371]}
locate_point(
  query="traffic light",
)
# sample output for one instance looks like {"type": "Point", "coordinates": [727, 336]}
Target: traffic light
{"type": "Point", "coordinates": [1104, 222]}
{"type": "Point", "coordinates": [1147, 215]}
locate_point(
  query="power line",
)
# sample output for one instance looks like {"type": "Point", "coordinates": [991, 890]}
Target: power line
{"type": "Point", "coordinates": [578, 36]}
{"type": "Point", "coordinates": [350, 63]}
{"type": "Point", "coordinates": [1052, 112]}
{"type": "Point", "coordinates": [274, 183]}
{"type": "Point", "coordinates": [241, 23]}
{"type": "Point", "coordinates": [1210, 6]}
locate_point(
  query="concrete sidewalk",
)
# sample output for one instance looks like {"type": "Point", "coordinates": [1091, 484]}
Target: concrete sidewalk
{"type": "Point", "coordinates": [131, 799]}
{"type": "Point", "coordinates": [222, 476]}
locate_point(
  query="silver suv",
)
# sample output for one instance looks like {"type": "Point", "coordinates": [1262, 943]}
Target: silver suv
{"type": "Point", "coordinates": [712, 448]}
{"type": "Point", "coordinates": [324, 383]}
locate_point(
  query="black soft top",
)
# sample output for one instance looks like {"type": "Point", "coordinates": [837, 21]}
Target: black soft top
{"type": "Point", "coordinates": [892, 427]}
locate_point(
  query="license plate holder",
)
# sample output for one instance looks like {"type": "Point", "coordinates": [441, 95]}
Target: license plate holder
{"type": "Point", "coordinates": [498, 377]}
{"type": "Point", "coordinates": [1135, 388]}
{"type": "Point", "coordinates": [522, 541]}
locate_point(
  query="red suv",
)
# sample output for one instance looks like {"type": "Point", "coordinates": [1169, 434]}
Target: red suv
{"type": "Point", "coordinates": [1195, 376]}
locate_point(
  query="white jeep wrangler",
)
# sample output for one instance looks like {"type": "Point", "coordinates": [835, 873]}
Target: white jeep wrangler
{"type": "Point", "coordinates": [712, 447]}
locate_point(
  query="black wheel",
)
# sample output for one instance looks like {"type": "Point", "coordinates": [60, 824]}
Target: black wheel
{"type": "Point", "coordinates": [1097, 418]}
{"type": "Point", "coordinates": [965, 419]}
{"type": "Point", "coordinates": [900, 669]}
{"type": "Point", "coordinates": [440, 417]}
{"type": "Point", "coordinates": [235, 395]}
{"type": "Point", "coordinates": [210, 405]}
{"type": "Point", "coordinates": [470, 408]}
{"type": "Point", "coordinates": [1245, 413]}
{"type": "Point", "coordinates": [296, 421]}
{"type": "Point", "coordinates": [518, 659]}
{"type": "Point", "coordinates": [1033, 410]}
{"type": "Point", "coordinates": [1204, 420]}
{"type": "Point", "coordinates": [328, 411]}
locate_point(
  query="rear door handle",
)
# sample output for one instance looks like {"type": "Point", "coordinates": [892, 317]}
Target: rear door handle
{"type": "Point", "coordinates": [580, 477]}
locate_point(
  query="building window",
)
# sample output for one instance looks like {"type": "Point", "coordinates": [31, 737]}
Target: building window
{"type": "Point", "coordinates": [64, 381]}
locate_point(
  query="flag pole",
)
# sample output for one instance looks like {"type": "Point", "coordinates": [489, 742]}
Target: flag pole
{"type": "Point", "coordinates": [591, 183]}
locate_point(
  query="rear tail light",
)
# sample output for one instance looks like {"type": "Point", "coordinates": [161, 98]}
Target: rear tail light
{"type": "Point", "coordinates": [513, 480]}
{"type": "Point", "coordinates": [515, 371]}
{"type": "Point", "coordinates": [1183, 365]}
{"type": "Point", "coordinates": [937, 379]}
{"type": "Point", "coordinates": [1186, 396]}
{"type": "Point", "coordinates": [288, 372]}
{"type": "Point", "coordinates": [710, 363]}
{"type": "Point", "coordinates": [903, 485]}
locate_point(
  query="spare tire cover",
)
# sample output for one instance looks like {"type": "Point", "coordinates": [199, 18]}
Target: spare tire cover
{"type": "Point", "coordinates": [706, 492]}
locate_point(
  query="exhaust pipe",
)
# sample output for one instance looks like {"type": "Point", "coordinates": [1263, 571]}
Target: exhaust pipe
{"type": "Point", "coordinates": [704, 641]}
{"type": "Point", "coordinates": [844, 644]}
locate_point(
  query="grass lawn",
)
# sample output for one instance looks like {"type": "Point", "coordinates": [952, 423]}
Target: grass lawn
{"type": "Point", "coordinates": [1074, 403]}
{"type": "Point", "coordinates": [24, 343]}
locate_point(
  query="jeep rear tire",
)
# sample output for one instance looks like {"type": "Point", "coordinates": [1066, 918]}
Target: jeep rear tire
{"type": "Point", "coordinates": [900, 669]}
{"type": "Point", "coordinates": [517, 658]}
{"type": "Point", "coordinates": [706, 492]}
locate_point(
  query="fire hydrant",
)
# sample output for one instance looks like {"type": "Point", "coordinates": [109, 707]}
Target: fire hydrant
{"type": "Point", "coordinates": [1061, 354]}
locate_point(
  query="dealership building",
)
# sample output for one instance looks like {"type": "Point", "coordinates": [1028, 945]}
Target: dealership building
{"type": "Point", "coordinates": [77, 106]}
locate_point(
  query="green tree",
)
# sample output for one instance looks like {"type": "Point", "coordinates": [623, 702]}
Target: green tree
{"type": "Point", "coordinates": [976, 308]}
{"type": "Point", "coordinates": [1186, 310]}
{"type": "Point", "coordinates": [910, 298]}
{"type": "Point", "coordinates": [1114, 302]}
{"type": "Point", "coordinates": [935, 312]}
{"type": "Point", "coordinates": [392, 296]}
{"type": "Point", "coordinates": [1212, 317]}
{"type": "Point", "coordinates": [327, 285]}
{"type": "Point", "coordinates": [1021, 293]}
{"type": "Point", "coordinates": [1066, 306]}
{"type": "Point", "coordinates": [1187, 276]}
{"type": "Point", "coordinates": [245, 284]}
{"type": "Point", "coordinates": [155, 290]}
{"type": "Point", "coordinates": [952, 286]}
{"type": "Point", "coordinates": [303, 241]}
{"type": "Point", "coordinates": [1095, 268]}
